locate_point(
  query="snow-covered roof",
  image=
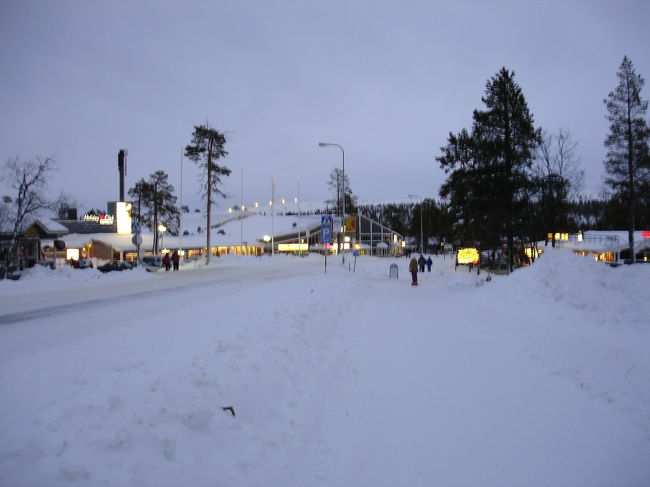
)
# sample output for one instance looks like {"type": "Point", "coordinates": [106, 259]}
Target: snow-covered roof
{"type": "Point", "coordinates": [605, 241]}
{"type": "Point", "coordinates": [51, 226]}
{"type": "Point", "coordinates": [230, 231]}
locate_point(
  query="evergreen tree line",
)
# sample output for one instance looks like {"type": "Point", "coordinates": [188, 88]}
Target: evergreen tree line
{"type": "Point", "coordinates": [509, 183]}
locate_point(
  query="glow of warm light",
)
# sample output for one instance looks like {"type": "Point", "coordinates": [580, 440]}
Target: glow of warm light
{"type": "Point", "coordinates": [72, 254]}
{"type": "Point", "coordinates": [229, 210]}
{"type": "Point", "coordinates": [123, 217]}
{"type": "Point", "coordinates": [243, 208]}
{"type": "Point", "coordinates": [403, 243]}
{"type": "Point", "coordinates": [346, 238]}
{"type": "Point", "coordinates": [271, 203]}
{"type": "Point", "coordinates": [162, 228]}
{"type": "Point", "coordinates": [530, 252]}
{"type": "Point", "coordinates": [282, 201]}
{"type": "Point", "coordinates": [266, 238]}
{"type": "Point", "coordinates": [295, 200]}
{"type": "Point", "coordinates": [467, 256]}
{"type": "Point", "coordinates": [346, 246]}
{"type": "Point", "coordinates": [257, 205]}
{"type": "Point", "coordinates": [292, 247]}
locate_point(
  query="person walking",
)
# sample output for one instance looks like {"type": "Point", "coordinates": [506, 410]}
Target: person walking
{"type": "Point", "coordinates": [166, 261]}
{"type": "Point", "coordinates": [413, 269]}
{"type": "Point", "coordinates": [421, 263]}
{"type": "Point", "coordinates": [429, 262]}
{"type": "Point", "coordinates": [175, 259]}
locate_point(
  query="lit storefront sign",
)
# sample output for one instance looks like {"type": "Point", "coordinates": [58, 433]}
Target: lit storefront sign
{"type": "Point", "coordinates": [645, 234]}
{"type": "Point", "coordinates": [467, 256]}
{"type": "Point", "coordinates": [123, 213]}
{"type": "Point", "coordinates": [558, 236]}
{"type": "Point", "coordinates": [350, 224]}
{"type": "Point", "coordinates": [293, 247]}
{"type": "Point", "coordinates": [101, 219]}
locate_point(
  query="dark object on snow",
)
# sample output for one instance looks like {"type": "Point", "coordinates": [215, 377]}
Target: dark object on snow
{"type": "Point", "coordinates": [393, 271]}
{"type": "Point", "coordinates": [229, 408]}
{"type": "Point", "coordinates": [115, 266]}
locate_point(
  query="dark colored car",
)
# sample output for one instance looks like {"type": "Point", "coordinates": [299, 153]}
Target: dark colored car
{"type": "Point", "coordinates": [85, 264]}
{"type": "Point", "coordinates": [81, 264]}
{"type": "Point", "coordinates": [115, 266]}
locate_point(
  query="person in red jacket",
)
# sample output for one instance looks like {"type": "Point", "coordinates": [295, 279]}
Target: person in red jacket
{"type": "Point", "coordinates": [166, 261]}
{"type": "Point", "coordinates": [176, 259]}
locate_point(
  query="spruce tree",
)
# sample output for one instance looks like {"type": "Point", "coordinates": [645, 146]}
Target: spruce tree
{"type": "Point", "coordinates": [627, 163]}
{"type": "Point", "coordinates": [490, 178]}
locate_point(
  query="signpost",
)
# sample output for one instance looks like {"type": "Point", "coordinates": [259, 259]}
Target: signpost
{"type": "Point", "coordinates": [469, 256]}
{"type": "Point", "coordinates": [356, 254]}
{"type": "Point", "coordinates": [326, 235]}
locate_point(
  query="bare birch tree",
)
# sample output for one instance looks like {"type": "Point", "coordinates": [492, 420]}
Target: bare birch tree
{"type": "Point", "coordinates": [29, 180]}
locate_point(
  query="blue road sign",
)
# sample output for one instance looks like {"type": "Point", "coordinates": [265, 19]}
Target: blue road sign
{"type": "Point", "coordinates": [326, 229]}
{"type": "Point", "coordinates": [135, 228]}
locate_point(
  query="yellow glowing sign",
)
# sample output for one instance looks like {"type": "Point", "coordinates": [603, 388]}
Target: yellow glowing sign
{"type": "Point", "coordinates": [533, 253]}
{"type": "Point", "coordinates": [467, 256]}
{"type": "Point", "coordinates": [559, 236]}
{"type": "Point", "coordinates": [123, 213]}
{"type": "Point", "coordinates": [293, 247]}
{"type": "Point", "coordinates": [350, 223]}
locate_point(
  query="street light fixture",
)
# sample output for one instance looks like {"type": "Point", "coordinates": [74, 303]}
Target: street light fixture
{"type": "Point", "coordinates": [418, 197]}
{"type": "Point", "coordinates": [326, 144]}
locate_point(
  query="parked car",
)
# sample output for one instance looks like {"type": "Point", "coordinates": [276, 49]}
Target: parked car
{"type": "Point", "coordinates": [152, 263]}
{"type": "Point", "coordinates": [115, 266]}
{"type": "Point", "coordinates": [81, 263]}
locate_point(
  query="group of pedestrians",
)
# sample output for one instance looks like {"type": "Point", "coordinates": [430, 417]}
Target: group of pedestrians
{"type": "Point", "coordinates": [174, 259]}
{"type": "Point", "coordinates": [418, 264]}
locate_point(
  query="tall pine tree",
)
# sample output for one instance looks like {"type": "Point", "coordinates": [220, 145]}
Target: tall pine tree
{"type": "Point", "coordinates": [490, 176]}
{"type": "Point", "coordinates": [206, 148]}
{"type": "Point", "coordinates": [627, 163]}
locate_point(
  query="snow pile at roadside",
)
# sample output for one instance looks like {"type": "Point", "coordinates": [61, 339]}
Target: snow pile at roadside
{"type": "Point", "coordinates": [583, 320]}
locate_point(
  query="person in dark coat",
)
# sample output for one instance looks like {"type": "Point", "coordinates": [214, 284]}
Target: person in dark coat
{"type": "Point", "coordinates": [413, 269]}
{"type": "Point", "coordinates": [429, 262]}
{"type": "Point", "coordinates": [166, 261]}
{"type": "Point", "coordinates": [421, 263]}
{"type": "Point", "coordinates": [176, 259]}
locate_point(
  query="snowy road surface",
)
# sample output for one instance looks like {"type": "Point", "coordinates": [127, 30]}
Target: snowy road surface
{"type": "Point", "coordinates": [337, 379]}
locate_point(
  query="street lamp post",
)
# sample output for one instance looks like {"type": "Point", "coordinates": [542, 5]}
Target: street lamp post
{"type": "Point", "coordinates": [325, 144]}
{"type": "Point", "coordinates": [419, 198]}
{"type": "Point", "coordinates": [297, 202]}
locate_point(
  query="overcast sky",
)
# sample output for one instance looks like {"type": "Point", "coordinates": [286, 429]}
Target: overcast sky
{"type": "Point", "coordinates": [386, 80]}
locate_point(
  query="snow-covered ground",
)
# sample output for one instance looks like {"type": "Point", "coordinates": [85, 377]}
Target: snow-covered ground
{"type": "Point", "coordinates": [341, 378]}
